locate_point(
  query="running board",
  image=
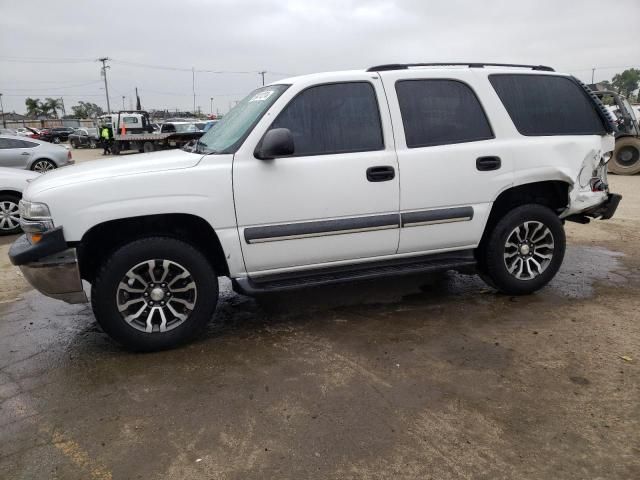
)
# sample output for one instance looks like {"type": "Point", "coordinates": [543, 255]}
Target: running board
{"type": "Point", "coordinates": [349, 273]}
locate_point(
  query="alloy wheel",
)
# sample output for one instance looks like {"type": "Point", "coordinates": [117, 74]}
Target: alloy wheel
{"type": "Point", "coordinates": [528, 250]}
{"type": "Point", "coordinates": [42, 166]}
{"type": "Point", "coordinates": [9, 216]}
{"type": "Point", "coordinates": [156, 296]}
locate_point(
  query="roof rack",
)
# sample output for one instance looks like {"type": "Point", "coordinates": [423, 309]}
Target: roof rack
{"type": "Point", "coordinates": [405, 66]}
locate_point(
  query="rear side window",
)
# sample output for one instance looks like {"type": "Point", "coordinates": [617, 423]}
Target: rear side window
{"type": "Point", "coordinates": [333, 118]}
{"type": "Point", "coordinates": [547, 105]}
{"type": "Point", "coordinates": [440, 112]}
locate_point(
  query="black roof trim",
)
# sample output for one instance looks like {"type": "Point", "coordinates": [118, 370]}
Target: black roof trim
{"type": "Point", "coordinates": [405, 66]}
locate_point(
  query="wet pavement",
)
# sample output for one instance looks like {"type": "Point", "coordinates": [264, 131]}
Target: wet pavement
{"type": "Point", "coordinates": [424, 377]}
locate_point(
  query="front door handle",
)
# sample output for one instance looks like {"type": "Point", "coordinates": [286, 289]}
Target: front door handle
{"type": "Point", "coordinates": [25, 153]}
{"type": "Point", "coordinates": [485, 164]}
{"type": "Point", "coordinates": [381, 174]}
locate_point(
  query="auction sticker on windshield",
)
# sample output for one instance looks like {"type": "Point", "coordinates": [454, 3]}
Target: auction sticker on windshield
{"type": "Point", "coordinates": [261, 96]}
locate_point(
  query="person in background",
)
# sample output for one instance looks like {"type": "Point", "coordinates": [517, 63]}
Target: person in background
{"type": "Point", "coordinates": [105, 136]}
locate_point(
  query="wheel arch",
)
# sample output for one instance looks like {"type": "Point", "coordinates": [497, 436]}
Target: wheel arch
{"type": "Point", "coordinates": [104, 238]}
{"type": "Point", "coordinates": [550, 193]}
{"type": "Point", "coordinates": [9, 191]}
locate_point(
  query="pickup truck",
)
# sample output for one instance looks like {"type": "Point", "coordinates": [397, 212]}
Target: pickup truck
{"type": "Point", "coordinates": [325, 178]}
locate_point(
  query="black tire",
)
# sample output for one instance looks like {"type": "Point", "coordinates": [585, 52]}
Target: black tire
{"type": "Point", "coordinates": [56, 140]}
{"type": "Point", "coordinates": [115, 148]}
{"type": "Point", "coordinates": [148, 147]}
{"type": "Point", "coordinates": [105, 291]}
{"type": "Point", "coordinates": [93, 144]}
{"type": "Point", "coordinates": [8, 214]}
{"type": "Point", "coordinates": [73, 144]}
{"type": "Point", "coordinates": [626, 156]}
{"type": "Point", "coordinates": [43, 165]}
{"type": "Point", "coordinates": [493, 265]}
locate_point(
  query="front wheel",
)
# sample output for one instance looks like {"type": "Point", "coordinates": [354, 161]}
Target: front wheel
{"type": "Point", "coordinates": [56, 140]}
{"type": "Point", "coordinates": [154, 293]}
{"type": "Point", "coordinates": [524, 250]}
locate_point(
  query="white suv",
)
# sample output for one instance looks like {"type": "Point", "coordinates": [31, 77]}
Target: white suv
{"type": "Point", "coordinates": [326, 178]}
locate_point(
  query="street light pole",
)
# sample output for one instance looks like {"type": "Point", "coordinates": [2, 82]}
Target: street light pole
{"type": "Point", "coordinates": [262, 73]}
{"type": "Point", "coordinates": [211, 105]}
{"type": "Point", "coordinates": [4, 120]}
{"type": "Point", "coordinates": [123, 102]}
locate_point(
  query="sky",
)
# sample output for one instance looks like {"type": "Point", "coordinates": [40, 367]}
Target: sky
{"type": "Point", "coordinates": [50, 48]}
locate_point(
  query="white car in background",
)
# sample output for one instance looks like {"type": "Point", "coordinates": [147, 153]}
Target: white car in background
{"type": "Point", "coordinates": [12, 183]}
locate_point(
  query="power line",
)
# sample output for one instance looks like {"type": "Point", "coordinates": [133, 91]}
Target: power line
{"type": "Point", "coordinates": [54, 88]}
{"type": "Point", "coordinates": [4, 58]}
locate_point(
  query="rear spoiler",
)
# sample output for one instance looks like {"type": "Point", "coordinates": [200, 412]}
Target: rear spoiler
{"type": "Point", "coordinates": [605, 115]}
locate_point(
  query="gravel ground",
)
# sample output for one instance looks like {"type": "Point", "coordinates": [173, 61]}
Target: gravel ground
{"type": "Point", "coordinates": [428, 377]}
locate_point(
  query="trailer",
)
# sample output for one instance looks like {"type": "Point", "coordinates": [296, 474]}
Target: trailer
{"type": "Point", "coordinates": [132, 130]}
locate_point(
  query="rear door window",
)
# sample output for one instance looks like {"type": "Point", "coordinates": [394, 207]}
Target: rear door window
{"type": "Point", "coordinates": [333, 118]}
{"type": "Point", "coordinates": [440, 112]}
{"type": "Point", "coordinates": [547, 105]}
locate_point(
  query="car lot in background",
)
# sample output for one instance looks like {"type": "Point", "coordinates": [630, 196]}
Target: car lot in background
{"type": "Point", "coordinates": [56, 135]}
{"type": "Point", "coordinates": [84, 137]}
{"type": "Point", "coordinates": [7, 131]}
{"type": "Point", "coordinates": [30, 154]}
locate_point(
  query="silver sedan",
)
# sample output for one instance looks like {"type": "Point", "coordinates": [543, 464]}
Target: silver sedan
{"type": "Point", "coordinates": [30, 154]}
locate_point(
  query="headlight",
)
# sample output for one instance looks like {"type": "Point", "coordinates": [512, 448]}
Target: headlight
{"type": "Point", "coordinates": [35, 219]}
{"type": "Point", "coordinates": [34, 210]}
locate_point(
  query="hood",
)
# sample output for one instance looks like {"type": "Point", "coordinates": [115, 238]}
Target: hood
{"type": "Point", "coordinates": [95, 170]}
{"type": "Point", "coordinates": [15, 178]}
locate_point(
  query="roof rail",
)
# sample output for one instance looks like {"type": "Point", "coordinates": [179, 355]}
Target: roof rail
{"type": "Point", "coordinates": [405, 66]}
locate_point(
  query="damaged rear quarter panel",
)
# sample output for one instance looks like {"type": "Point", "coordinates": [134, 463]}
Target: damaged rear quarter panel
{"type": "Point", "coordinates": [570, 159]}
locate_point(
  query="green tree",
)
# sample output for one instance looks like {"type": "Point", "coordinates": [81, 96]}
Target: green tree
{"type": "Point", "coordinates": [34, 107]}
{"type": "Point", "coordinates": [86, 110]}
{"type": "Point", "coordinates": [53, 105]}
{"type": "Point", "coordinates": [626, 82]}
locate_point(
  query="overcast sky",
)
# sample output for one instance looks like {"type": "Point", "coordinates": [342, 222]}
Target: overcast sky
{"type": "Point", "coordinates": [287, 37]}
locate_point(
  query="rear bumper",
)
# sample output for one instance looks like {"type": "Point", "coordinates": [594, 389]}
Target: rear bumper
{"type": "Point", "coordinates": [602, 211]}
{"type": "Point", "coordinates": [54, 274]}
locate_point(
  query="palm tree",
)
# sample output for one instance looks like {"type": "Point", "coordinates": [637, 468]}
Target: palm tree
{"type": "Point", "coordinates": [34, 107]}
{"type": "Point", "coordinates": [53, 105]}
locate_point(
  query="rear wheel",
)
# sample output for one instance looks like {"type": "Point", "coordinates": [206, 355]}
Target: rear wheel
{"type": "Point", "coordinates": [154, 293]}
{"type": "Point", "coordinates": [148, 147]}
{"type": "Point", "coordinates": [42, 166]}
{"type": "Point", "coordinates": [524, 250]}
{"type": "Point", "coordinates": [56, 139]}
{"type": "Point", "coordinates": [73, 144]}
{"type": "Point", "coordinates": [626, 156]}
{"type": "Point", "coordinates": [9, 214]}
{"type": "Point", "coordinates": [93, 143]}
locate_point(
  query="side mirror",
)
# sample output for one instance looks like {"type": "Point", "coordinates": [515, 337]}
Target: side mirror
{"type": "Point", "coordinates": [277, 142]}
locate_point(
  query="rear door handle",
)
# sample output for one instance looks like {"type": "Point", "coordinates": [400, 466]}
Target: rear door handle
{"type": "Point", "coordinates": [381, 174]}
{"type": "Point", "coordinates": [485, 164]}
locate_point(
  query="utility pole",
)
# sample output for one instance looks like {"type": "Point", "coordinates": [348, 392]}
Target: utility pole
{"type": "Point", "coordinates": [211, 105]}
{"type": "Point", "coordinates": [64, 111]}
{"type": "Point", "coordinates": [262, 73]}
{"type": "Point", "coordinates": [104, 75]}
{"type": "Point", "coordinates": [4, 120]}
{"type": "Point", "coordinates": [123, 108]}
{"type": "Point", "coordinates": [193, 87]}
{"type": "Point", "coordinates": [593, 72]}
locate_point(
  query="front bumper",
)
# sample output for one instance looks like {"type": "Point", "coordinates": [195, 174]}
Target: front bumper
{"type": "Point", "coordinates": [56, 275]}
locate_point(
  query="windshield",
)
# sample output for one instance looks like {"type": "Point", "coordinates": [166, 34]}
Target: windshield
{"type": "Point", "coordinates": [234, 127]}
